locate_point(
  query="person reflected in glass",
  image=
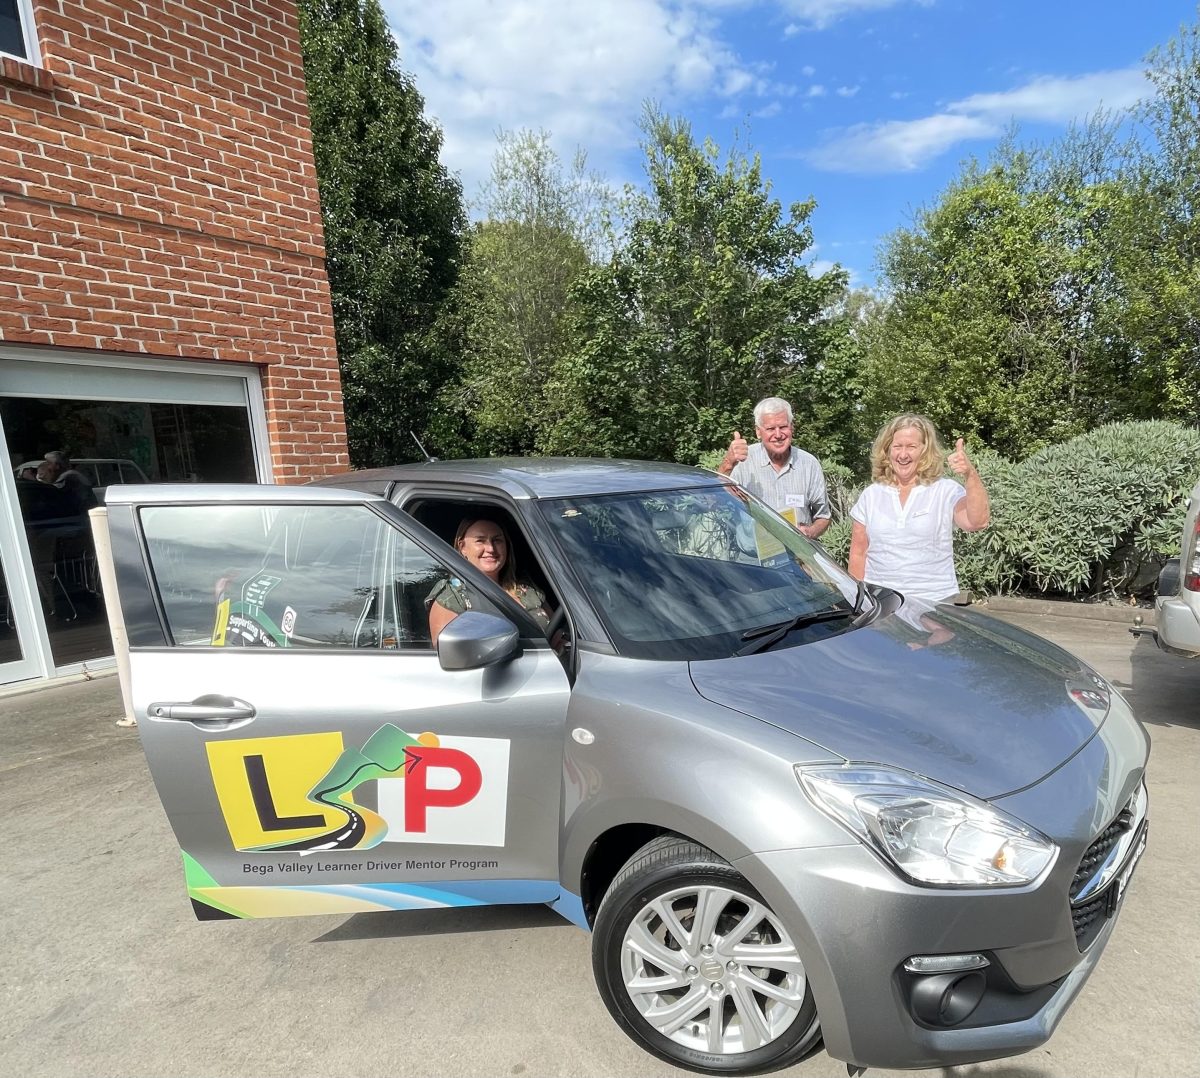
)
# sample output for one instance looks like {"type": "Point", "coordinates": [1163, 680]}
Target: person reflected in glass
{"type": "Point", "coordinates": [484, 543]}
{"type": "Point", "coordinates": [903, 534]}
{"type": "Point", "coordinates": [72, 480]}
{"type": "Point", "coordinates": [51, 518]}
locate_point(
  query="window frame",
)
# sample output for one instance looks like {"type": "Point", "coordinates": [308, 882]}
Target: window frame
{"type": "Point", "coordinates": [33, 52]}
{"type": "Point", "coordinates": [399, 524]}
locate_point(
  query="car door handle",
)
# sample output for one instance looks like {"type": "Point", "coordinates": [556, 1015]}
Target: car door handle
{"type": "Point", "coordinates": [208, 708]}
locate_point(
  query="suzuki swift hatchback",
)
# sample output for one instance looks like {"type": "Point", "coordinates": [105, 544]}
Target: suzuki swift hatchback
{"type": "Point", "coordinates": [787, 806]}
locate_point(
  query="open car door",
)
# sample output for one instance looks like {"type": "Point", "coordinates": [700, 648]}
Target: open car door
{"type": "Point", "coordinates": [313, 751]}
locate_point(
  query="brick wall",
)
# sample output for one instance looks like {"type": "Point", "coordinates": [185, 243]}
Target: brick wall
{"type": "Point", "coordinates": [158, 195]}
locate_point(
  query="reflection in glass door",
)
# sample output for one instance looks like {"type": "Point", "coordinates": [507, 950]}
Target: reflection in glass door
{"type": "Point", "coordinates": [105, 442]}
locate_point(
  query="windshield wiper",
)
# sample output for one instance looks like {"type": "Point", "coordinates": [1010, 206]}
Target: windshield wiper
{"type": "Point", "coordinates": [766, 635]}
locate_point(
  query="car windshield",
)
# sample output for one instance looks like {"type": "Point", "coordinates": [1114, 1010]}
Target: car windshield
{"type": "Point", "coordinates": [701, 573]}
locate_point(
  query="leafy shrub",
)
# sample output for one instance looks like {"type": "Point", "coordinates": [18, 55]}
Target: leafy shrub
{"type": "Point", "coordinates": [1092, 509]}
{"type": "Point", "coordinates": [836, 539]}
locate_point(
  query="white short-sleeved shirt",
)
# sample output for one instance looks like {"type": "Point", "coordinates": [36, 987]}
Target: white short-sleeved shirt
{"type": "Point", "coordinates": [911, 547]}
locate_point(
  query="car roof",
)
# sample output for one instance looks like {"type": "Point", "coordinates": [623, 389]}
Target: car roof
{"type": "Point", "coordinates": [538, 477]}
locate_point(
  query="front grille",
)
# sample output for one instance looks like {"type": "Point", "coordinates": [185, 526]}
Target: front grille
{"type": "Point", "coordinates": [1104, 869]}
{"type": "Point", "coordinates": [1088, 919]}
{"type": "Point", "coordinates": [1099, 850]}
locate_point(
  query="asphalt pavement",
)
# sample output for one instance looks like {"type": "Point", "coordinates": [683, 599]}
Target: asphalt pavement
{"type": "Point", "coordinates": [106, 972]}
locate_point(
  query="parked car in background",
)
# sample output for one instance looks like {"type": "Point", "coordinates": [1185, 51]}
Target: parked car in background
{"type": "Point", "coordinates": [101, 472]}
{"type": "Point", "coordinates": [1177, 607]}
{"type": "Point", "coordinates": [786, 804]}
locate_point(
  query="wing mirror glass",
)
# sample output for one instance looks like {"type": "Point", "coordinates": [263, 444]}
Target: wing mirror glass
{"type": "Point", "coordinates": [475, 639]}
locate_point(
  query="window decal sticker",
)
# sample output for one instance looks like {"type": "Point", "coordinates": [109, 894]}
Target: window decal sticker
{"type": "Point", "coordinates": [245, 622]}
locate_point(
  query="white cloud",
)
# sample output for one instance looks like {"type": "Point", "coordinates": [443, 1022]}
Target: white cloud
{"type": "Point", "coordinates": [907, 145]}
{"type": "Point", "coordinates": [847, 91]}
{"type": "Point", "coordinates": [1059, 100]}
{"type": "Point", "coordinates": [767, 111]}
{"type": "Point", "coordinates": [898, 145]}
{"type": "Point", "coordinates": [808, 71]}
{"type": "Point", "coordinates": [816, 90]}
{"type": "Point", "coordinates": [580, 71]}
{"type": "Point", "coordinates": [818, 14]}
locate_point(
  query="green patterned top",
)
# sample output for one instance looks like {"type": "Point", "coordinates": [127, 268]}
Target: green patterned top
{"type": "Point", "coordinates": [456, 596]}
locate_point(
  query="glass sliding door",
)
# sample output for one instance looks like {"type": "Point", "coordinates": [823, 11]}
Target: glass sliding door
{"type": "Point", "coordinates": [115, 425]}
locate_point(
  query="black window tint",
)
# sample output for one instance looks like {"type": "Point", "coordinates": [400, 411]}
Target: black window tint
{"type": "Point", "coordinates": [104, 473]}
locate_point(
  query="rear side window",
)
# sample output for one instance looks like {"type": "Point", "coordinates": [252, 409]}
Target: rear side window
{"type": "Point", "coordinates": [103, 473]}
{"type": "Point", "coordinates": [289, 576]}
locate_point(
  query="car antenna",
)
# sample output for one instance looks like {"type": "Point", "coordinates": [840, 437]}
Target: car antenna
{"type": "Point", "coordinates": [427, 457]}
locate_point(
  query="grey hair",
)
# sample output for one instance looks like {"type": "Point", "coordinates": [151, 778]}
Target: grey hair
{"type": "Point", "coordinates": [771, 406]}
{"type": "Point", "coordinates": [57, 456]}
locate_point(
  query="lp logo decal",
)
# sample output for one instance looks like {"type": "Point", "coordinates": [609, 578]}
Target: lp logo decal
{"type": "Point", "coordinates": [296, 793]}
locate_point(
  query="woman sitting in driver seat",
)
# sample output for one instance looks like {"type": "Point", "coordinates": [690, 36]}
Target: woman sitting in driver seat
{"type": "Point", "coordinates": [485, 545]}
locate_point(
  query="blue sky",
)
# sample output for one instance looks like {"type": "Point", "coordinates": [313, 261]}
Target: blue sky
{"type": "Point", "coordinates": [867, 106]}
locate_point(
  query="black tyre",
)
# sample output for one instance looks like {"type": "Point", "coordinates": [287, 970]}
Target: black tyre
{"type": "Point", "coordinates": [695, 966]}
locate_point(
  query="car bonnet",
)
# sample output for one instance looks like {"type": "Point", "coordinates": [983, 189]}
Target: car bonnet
{"type": "Point", "coordinates": [987, 709]}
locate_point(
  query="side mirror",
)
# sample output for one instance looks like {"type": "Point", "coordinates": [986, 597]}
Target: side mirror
{"type": "Point", "coordinates": [475, 639]}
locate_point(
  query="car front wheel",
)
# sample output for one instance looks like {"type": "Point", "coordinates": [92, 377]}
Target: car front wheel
{"type": "Point", "coordinates": [695, 966]}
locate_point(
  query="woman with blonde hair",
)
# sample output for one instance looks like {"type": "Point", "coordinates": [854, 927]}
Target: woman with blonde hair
{"type": "Point", "coordinates": [904, 521]}
{"type": "Point", "coordinates": [484, 543]}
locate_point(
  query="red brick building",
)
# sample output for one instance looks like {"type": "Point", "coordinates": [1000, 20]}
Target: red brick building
{"type": "Point", "coordinates": [164, 308]}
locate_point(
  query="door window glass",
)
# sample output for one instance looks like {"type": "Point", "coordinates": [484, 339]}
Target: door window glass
{"type": "Point", "coordinates": [290, 576]}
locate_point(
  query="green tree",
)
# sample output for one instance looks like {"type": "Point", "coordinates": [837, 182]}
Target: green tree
{"type": "Point", "coordinates": [541, 221]}
{"type": "Point", "coordinates": [704, 307]}
{"type": "Point", "coordinates": [1058, 288]}
{"type": "Point", "coordinates": [393, 221]}
{"type": "Point", "coordinates": [999, 322]}
{"type": "Point", "coordinates": [1158, 318]}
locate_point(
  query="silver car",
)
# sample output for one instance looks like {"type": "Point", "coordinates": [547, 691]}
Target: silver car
{"type": "Point", "coordinates": [787, 806]}
{"type": "Point", "coordinates": [1177, 605]}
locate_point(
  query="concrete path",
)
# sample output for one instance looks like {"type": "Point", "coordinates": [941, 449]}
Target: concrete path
{"type": "Point", "coordinates": [105, 971]}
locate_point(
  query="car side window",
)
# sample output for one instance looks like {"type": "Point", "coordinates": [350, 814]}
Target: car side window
{"type": "Point", "coordinates": [289, 576]}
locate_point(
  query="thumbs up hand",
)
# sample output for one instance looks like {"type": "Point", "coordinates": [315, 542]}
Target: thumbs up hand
{"type": "Point", "coordinates": [959, 461]}
{"type": "Point", "coordinates": [734, 454]}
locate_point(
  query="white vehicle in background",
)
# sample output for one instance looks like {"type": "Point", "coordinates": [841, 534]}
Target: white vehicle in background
{"type": "Point", "coordinates": [101, 472]}
{"type": "Point", "coordinates": [1177, 607]}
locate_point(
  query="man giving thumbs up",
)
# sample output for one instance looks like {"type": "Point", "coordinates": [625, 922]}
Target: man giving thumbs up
{"type": "Point", "coordinates": [789, 480]}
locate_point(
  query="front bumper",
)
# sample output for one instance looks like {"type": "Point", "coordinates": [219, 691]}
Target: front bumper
{"type": "Point", "coordinates": [860, 923]}
{"type": "Point", "coordinates": [856, 922]}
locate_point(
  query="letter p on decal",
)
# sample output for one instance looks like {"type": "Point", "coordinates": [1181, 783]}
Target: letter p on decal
{"type": "Point", "coordinates": [453, 793]}
{"type": "Point", "coordinates": [420, 764]}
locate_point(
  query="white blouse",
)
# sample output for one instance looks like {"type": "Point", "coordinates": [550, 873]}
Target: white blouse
{"type": "Point", "coordinates": [911, 546]}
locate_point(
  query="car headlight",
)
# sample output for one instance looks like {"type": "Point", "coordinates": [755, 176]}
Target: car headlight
{"type": "Point", "coordinates": [931, 833]}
